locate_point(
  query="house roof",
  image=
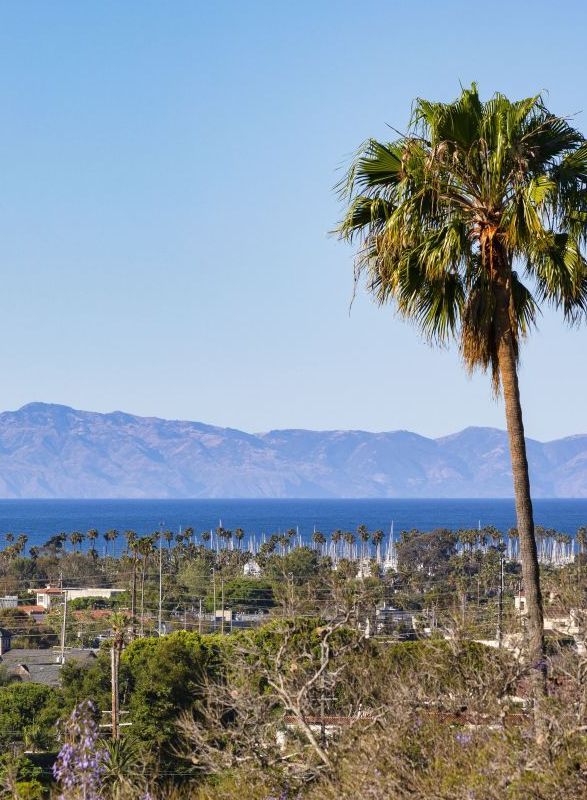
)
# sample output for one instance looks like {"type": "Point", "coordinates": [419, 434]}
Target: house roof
{"type": "Point", "coordinates": [94, 613]}
{"type": "Point", "coordinates": [42, 666]}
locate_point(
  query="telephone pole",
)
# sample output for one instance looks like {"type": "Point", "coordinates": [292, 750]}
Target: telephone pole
{"type": "Point", "coordinates": [222, 604]}
{"type": "Point", "coordinates": [160, 626]}
{"type": "Point", "coordinates": [500, 598]}
{"type": "Point", "coordinates": [214, 596]}
{"type": "Point", "coordinates": [114, 681]}
{"type": "Point", "coordinates": [63, 626]}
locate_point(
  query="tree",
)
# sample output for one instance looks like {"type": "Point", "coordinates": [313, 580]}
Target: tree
{"type": "Point", "coordinates": [378, 537]}
{"type": "Point", "coordinates": [76, 538]}
{"type": "Point", "coordinates": [146, 549]}
{"type": "Point", "coordinates": [319, 539]}
{"type": "Point", "coordinates": [363, 535]}
{"type": "Point", "coordinates": [446, 216]}
{"type": "Point", "coordinates": [168, 536]}
{"type": "Point", "coordinates": [110, 536]}
{"type": "Point", "coordinates": [23, 705]}
{"type": "Point", "coordinates": [239, 535]}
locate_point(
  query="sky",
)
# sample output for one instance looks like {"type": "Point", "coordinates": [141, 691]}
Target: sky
{"type": "Point", "coordinates": [166, 197]}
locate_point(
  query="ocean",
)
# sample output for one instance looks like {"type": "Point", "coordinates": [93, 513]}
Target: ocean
{"type": "Point", "coordinates": [40, 519]}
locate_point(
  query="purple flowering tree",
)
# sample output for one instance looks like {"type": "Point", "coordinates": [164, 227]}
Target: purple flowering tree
{"type": "Point", "coordinates": [81, 763]}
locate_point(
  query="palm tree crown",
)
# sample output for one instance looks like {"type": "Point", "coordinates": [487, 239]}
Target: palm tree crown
{"type": "Point", "coordinates": [447, 214]}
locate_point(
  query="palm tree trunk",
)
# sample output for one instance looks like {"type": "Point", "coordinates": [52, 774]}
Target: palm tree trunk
{"type": "Point", "coordinates": [133, 597]}
{"type": "Point", "coordinates": [527, 542]}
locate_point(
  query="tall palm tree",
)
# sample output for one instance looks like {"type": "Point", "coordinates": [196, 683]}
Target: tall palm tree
{"type": "Point", "coordinates": [450, 219]}
{"type": "Point", "coordinates": [363, 535]}
{"type": "Point", "coordinates": [319, 540]}
{"type": "Point", "coordinates": [239, 535]}
{"type": "Point", "coordinates": [145, 547]}
{"type": "Point", "coordinates": [349, 540]}
{"type": "Point", "coordinates": [110, 536]}
{"type": "Point", "coordinates": [21, 542]}
{"type": "Point", "coordinates": [91, 536]}
{"type": "Point", "coordinates": [582, 542]}
{"type": "Point", "coordinates": [76, 538]}
{"type": "Point", "coordinates": [377, 540]}
{"type": "Point", "coordinates": [133, 546]}
{"type": "Point", "coordinates": [336, 537]}
{"type": "Point", "coordinates": [168, 536]}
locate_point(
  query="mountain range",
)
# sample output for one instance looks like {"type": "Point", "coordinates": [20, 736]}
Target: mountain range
{"type": "Point", "coordinates": [53, 451]}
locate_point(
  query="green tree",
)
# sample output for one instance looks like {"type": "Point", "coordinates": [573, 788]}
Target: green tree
{"type": "Point", "coordinates": [23, 705]}
{"type": "Point", "coordinates": [446, 216]}
{"type": "Point", "coordinates": [165, 676]}
{"type": "Point", "coordinates": [245, 594]}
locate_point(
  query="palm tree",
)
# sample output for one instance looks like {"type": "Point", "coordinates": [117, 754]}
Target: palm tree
{"type": "Point", "coordinates": [168, 536]}
{"type": "Point", "coordinates": [363, 534]}
{"type": "Point", "coordinates": [110, 536]}
{"type": "Point", "coordinates": [336, 537]}
{"type": "Point", "coordinates": [349, 540]}
{"type": "Point", "coordinates": [582, 542]}
{"type": "Point", "coordinates": [319, 539]}
{"type": "Point", "coordinates": [21, 542]}
{"type": "Point", "coordinates": [91, 536]}
{"type": "Point", "coordinates": [118, 624]}
{"type": "Point", "coordinates": [76, 538]}
{"type": "Point", "coordinates": [377, 540]}
{"type": "Point", "coordinates": [130, 537]}
{"type": "Point", "coordinates": [146, 549]}
{"type": "Point", "coordinates": [134, 547]}
{"type": "Point", "coordinates": [239, 535]}
{"type": "Point", "coordinates": [446, 216]}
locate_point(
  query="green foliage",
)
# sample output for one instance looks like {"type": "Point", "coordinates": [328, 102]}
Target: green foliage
{"type": "Point", "coordinates": [79, 683]}
{"type": "Point", "coordinates": [23, 705]}
{"type": "Point", "coordinates": [20, 778]}
{"type": "Point", "coordinates": [302, 564]}
{"type": "Point", "coordinates": [164, 676]}
{"type": "Point", "coordinates": [244, 594]}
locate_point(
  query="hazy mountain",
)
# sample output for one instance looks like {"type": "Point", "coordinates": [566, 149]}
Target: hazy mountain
{"type": "Point", "coordinates": [56, 451]}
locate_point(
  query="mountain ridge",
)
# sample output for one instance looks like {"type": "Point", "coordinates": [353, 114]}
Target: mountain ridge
{"type": "Point", "coordinates": [49, 450]}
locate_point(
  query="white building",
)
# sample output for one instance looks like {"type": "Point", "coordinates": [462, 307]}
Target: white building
{"type": "Point", "coordinates": [53, 594]}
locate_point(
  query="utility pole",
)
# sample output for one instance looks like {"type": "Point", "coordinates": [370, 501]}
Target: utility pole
{"type": "Point", "coordinates": [160, 626]}
{"type": "Point", "coordinates": [222, 604]}
{"type": "Point", "coordinates": [114, 683]}
{"type": "Point", "coordinates": [500, 599]}
{"type": "Point", "coordinates": [63, 621]}
{"type": "Point", "coordinates": [133, 598]}
{"type": "Point", "coordinates": [214, 597]}
{"type": "Point", "coordinates": [200, 617]}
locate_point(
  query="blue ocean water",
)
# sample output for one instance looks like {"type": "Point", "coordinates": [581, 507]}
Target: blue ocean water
{"type": "Point", "coordinates": [40, 519]}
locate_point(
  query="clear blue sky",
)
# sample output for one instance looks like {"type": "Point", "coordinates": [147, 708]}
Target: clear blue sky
{"type": "Point", "coordinates": [166, 195]}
